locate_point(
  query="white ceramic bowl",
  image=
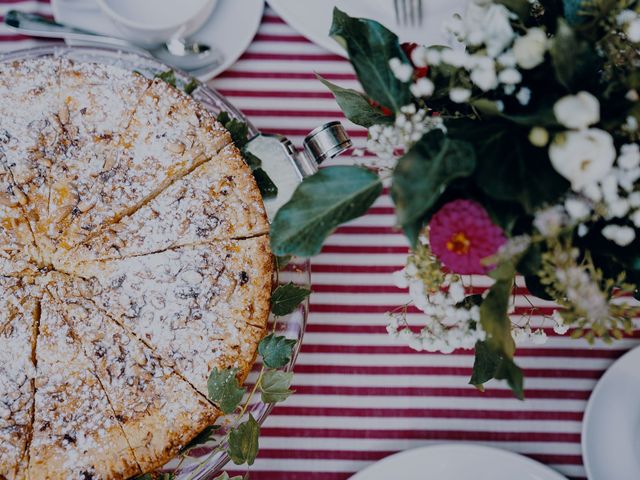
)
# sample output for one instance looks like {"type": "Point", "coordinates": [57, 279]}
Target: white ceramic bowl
{"type": "Point", "coordinates": [151, 22]}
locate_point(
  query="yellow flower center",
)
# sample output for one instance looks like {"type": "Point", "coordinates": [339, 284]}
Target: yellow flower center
{"type": "Point", "coordinates": [459, 244]}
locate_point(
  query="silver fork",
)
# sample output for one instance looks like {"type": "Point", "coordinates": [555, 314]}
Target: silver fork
{"type": "Point", "coordinates": [408, 12]}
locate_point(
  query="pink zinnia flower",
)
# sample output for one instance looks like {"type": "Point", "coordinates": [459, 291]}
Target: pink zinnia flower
{"type": "Point", "coordinates": [461, 234]}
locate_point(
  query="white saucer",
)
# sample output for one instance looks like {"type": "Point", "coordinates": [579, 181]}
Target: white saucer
{"type": "Point", "coordinates": [230, 29]}
{"type": "Point", "coordinates": [458, 462]}
{"type": "Point", "coordinates": [611, 426]}
{"type": "Point", "coordinates": [312, 18]}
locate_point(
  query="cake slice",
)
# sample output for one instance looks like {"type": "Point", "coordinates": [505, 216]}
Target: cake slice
{"type": "Point", "coordinates": [97, 103]}
{"type": "Point", "coordinates": [159, 411]}
{"type": "Point", "coordinates": [169, 136]}
{"type": "Point", "coordinates": [75, 431]}
{"type": "Point", "coordinates": [18, 322]}
{"type": "Point", "coordinates": [218, 200]}
{"type": "Point", "coordinates": [18, 252]}
{"type": "Point", "coordinates": [30, 129]}
{"type": "Point", "coordinates": [198, 307]}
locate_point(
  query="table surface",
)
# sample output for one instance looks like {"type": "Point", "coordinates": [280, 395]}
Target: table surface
{"type": "Point", "coordinates": [359, 395]}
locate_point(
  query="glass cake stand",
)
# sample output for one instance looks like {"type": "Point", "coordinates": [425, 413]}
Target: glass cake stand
{"type": "Point", "coordinates": [205, 460]}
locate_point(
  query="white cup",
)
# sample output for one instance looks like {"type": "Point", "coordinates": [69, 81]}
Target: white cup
{"type": "Point", "coordinates": [150, 22]}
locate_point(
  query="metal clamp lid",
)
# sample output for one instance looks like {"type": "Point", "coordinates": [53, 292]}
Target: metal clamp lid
{"type": "Point", "coordinates": [326, 141]}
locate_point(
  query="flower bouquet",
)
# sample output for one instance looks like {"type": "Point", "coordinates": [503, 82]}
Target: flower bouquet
{"type": "Point", "coordinates": [513, 153]}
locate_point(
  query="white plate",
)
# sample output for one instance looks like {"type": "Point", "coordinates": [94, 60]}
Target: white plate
{"type": "Point", "coordinates": [230, 29]}
{"type": "Point", "coordinates": [458, 462]}
{"type": "Point", "coordinates": [312, 18]}
{"type": "Point", "coordinates": [611, 427]}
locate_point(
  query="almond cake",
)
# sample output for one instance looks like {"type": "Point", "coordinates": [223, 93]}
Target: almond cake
{"type": "Point", "coordinates": [134, 259]}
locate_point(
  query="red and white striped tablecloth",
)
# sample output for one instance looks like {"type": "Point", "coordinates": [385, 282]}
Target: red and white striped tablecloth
{"type": "Point", "coordinates": [359, 395]}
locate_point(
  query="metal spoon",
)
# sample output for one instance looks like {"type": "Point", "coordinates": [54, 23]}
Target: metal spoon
{"type": "Point", "coordinates": [179, 52]}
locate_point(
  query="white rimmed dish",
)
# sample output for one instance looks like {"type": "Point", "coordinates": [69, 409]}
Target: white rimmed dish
{"type": "Point", "coordinates": [457, 462]}
{"type": "Point", "coordinates": [147, 25]}
{"type": "Point", "coordinates": [611, 425]}
{"type": "Point", "coordinates": [229, 30]}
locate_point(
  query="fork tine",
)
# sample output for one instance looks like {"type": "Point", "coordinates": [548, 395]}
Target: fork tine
{"type": "Point", "coordinates": [396, 8]}
{"type": "Point", "coordinates": [419, 12]}
{"type": "Point", "coordinates": [403, 3]}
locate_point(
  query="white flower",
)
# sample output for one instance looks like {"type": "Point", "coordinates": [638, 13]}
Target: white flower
{"type": "Point", "coordinates": [419, 56]}
{"type": "Point", "coordinates": [583, 157]}
{"type": "Point", "coordinates": [485, 78]}
{"type": "Point", "coordinates": [633, 31]}
{"type": "Point", "coordinates": [433, 56]}
{"type": "Point", "coordinates": [459, 95]}
{"type": "Point", "coordinates": [490, 25]}
{"type": "Point", "coordinates": [629, 156]}
{"type": "Point", "coordinates": [577, 208]}
{"type": "Point", "coordinates": [618, 208]}
{"type": "Point", "coordinates": [423, 87]}
{"type": "Point", "coordinates": [593, 192]}
{"type": "Point", "coordinates": [560, 327]}
{"type": "Point", "coordinates": [626, 16]}
{"type": "Point", "coordinates": [539, 136]}
{"type": "Point", "coordinates": [631, 124]}
{"type": "Point", "coordinates": [635, 218]}
{"type": "Point", "coordinates": [523, 96]}
{"type": "Point", "coordinates": [455, 58]}
{"type": "Point", "coordinates": [632, 95]}
{"type": "Point", "coordinates": [550, 221]}
{"type": "Point", "coordinates": [510, 76]}
{"type": "Point", "coordinates": [529, 50]}
{"type": "Point", "coordinates": [621, 235]}
{"type": "Point", "coordinates": [507, 59]}
{"type": "Point", "coordinates": [577, 111]}
{"type": "Point", "coordinates": [402, 71]}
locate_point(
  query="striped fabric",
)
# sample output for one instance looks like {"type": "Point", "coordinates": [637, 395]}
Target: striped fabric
{"type": "Point", "coordinates": [359, 395]}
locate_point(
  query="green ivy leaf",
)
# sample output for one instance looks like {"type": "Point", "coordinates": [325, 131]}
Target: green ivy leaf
{"type": "Point", "coordinates": [169, 76]}
{"type": "Point", "coordinates": [422, 174]}
{"type": "Point", "coordinates": [356, 106]}
{"type": "Point", "coordinates": [243, 442]}
{"type": "Point", "coordinates": [276, 350]}
{"type": "Point", "coordinates": [286, 298]}
{"type": "Point", "coordinates": [370, 46]}
{"type": "Point", "coordinates": [321, 202]}
{"type": "Point", "coordinates": [267, 188]}
{"type": "Point", "coordinates": [203, 437]}
{"type": "Point", "coordinates": [225, 476]}
{"type": "Point", "coordinates": [494, 317]}
{"type": "Point", "coordinates": [252, 160]}
{"type": "Point", "coordinates": [224, 117]}
{"type": "Point", "coordinates": [485, 365]}
{"type": "Point", "coordinates": [224, 389]}
{"type": "Point", "coordinates": [275, 386]}
{"type": "Point", "coordinates": [191, 86]}
{"type": "Point", "coordinates": [239, 132]}
{"type": "Point", "coordinates": [282, 262]}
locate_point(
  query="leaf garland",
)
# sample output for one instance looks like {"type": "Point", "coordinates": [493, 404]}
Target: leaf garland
{"type": "Point", "coordinates": [286, 298]}
{"type": "Point", "coordinates": [243, 442]}
{"type": "Point", "coordinates": [275, 386]}
{"type": "Point", "coordinates": [224, 389]}
{"type": "Point", "coordinates": [276, 350]}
